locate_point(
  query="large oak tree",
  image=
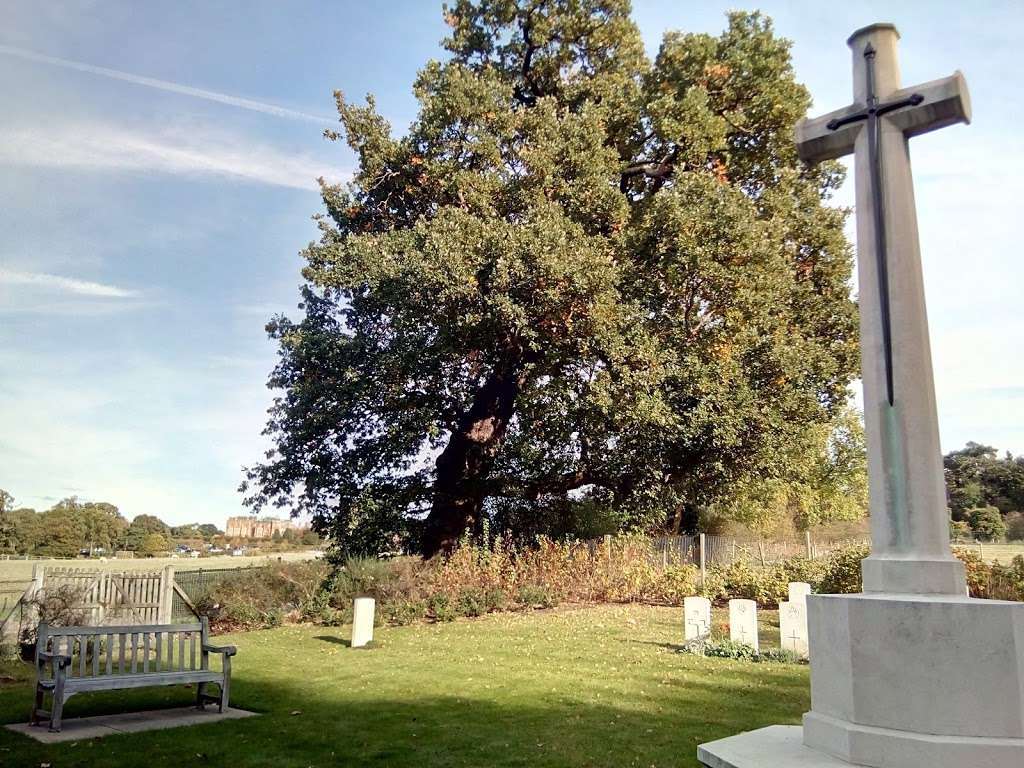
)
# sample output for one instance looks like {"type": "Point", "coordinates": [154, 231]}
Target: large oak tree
{"type": "Point", "coordinates": [583, 283]}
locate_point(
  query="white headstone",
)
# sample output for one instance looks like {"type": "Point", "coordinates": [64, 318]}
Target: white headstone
{"type": "Point", "coordinates": [793, 626]}
{"type": "Point", "coordinates": [743, 622]}
{"type": "Point", "coordinates": [362, 621]}
{"type": "Point", "coordinates": [798, 592]}
{"type": "Point", "coordinates": [696, 617]}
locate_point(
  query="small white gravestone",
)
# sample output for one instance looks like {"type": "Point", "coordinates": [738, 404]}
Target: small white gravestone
{"type": "Point", "coordinates": [798, 592]}
{"type": "Point", "coordinates": [743, 622]}
{"type": "Point", "coordinates": [793, 626]}
{"type": "Point", "coordinates": [362, 621]}
{"type": "Point", "coordinates": [696, 617]}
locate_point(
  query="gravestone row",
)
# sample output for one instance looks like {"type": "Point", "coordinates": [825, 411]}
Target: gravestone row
{"type": "Point", "coordinates": [743, 620]}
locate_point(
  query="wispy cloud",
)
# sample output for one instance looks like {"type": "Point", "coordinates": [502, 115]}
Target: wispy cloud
{"type": "Point", "coordinates": [61, 284]}
{"type": "Point", "coordinates": [191, 152]}
{"type": "Point", "coordinates": [165, 85]}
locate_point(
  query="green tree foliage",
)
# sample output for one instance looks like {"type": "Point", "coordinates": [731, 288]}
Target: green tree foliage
{"type": "Point", "coordinates": [141, 527]}
{"type": "Point", "coordinates": [584, 283]}
{"type": "Point", "coordinates": [1015, 526]}
{"type": "Point", "coordinates": [978, 478]}
{"type": "Point", "coordinates": [153, 543]}
{"type": "Point", "coordinates": [822, 478]}
{"type": "Point", "coordinates": [987, 523]}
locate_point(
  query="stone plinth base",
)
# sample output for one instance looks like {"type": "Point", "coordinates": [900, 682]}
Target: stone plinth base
{"type": "Point", "coordinates": [916, 681]}
{"type": "Point", "coordinates": [782, 746]}
{"type": "Point", "coordinates": [778, 746]}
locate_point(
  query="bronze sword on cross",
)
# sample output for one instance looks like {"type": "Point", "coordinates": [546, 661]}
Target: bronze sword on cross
{"type": "Point", "coordinates": [873, 113]}
{"type": "Point", "coordinates": [909, 532]}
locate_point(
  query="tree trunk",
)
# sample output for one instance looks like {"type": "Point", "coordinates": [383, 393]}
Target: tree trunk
{"type": "Point", "coordinates": [462, 468]}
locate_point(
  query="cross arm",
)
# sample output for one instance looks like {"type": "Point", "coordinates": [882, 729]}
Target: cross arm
{"type": "Point", "coordinates": [816, 142]}
{"type": "Point", "coordinates": [945, 101]}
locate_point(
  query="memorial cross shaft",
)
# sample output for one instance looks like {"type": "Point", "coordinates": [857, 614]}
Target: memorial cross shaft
{"type": "Point", "coordinates": [909, 526]}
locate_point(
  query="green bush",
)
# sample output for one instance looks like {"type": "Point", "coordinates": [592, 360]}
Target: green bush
{"type": "Point", "coordinates": [471, 602]}
{"type": "Point", "coordinates": [533, 596]}
{"type": "Point", "coordinates": [729, 649]}
{"type": "Point", "coordinates": [841, 574]}
{"type": "Point", "coordinates": [441, 608]}
{"type": "Point", "coordinates": [403, 612]}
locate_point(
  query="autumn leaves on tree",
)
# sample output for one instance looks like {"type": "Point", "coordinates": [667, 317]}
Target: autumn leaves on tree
{"type": "Point", "coordinates": [584, 290]}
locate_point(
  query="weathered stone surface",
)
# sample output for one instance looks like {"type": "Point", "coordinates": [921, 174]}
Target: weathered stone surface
{"type": "Point", "coordinates": [777, 746]}
{"type": "Point", "coordinates": [696, 617]}
{"type": "Point", "coordinates": [889, 670]}
{"type": "Point", "coordinates": [362, 621]}
{"type": "Point", "coordinates": [743, 622]}
{"type": "Point", "coordinates": [79, 728]}
{"type": "Point", "coordinates": [798, 591]}
{"type": "Point", "coordinates": [793, 626]}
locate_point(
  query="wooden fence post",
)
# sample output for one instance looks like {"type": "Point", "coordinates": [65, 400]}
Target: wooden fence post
{"type": "Point", "coordinates": [703, 569]}
{"type": "Point", "coordinates": [166, 595]}
{"type": "Point", "coordinates": [38, 580]}
{"type": "Point", "coordinates": [810, 547]}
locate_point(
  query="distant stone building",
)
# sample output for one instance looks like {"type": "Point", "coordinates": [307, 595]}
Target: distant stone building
{"type": "Point", "coordinates": [246, 527]}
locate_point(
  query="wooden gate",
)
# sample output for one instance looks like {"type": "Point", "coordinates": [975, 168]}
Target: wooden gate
{"type": "Point", "coordinates": [110, 597]}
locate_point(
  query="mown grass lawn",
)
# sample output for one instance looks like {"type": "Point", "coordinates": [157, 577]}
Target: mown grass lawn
{"type": "Point", "coordinates": [589, 686]}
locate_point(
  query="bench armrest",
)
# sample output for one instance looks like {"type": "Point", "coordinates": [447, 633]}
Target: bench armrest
{"type": "Point", "coordinates": [227, 650]}
{"type": "Point", "coordinates": [61, 659]}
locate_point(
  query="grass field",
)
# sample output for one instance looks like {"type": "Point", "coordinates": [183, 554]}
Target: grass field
{"type": "Point", "coordinates": [1004, 553]}
{"type": "Point", "coordinates": [594, 686]}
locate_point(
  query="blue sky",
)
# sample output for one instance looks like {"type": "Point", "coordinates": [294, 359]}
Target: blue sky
{"type": "Point", "coordinates": [157, 166]}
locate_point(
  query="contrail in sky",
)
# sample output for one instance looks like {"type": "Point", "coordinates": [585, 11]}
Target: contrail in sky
{"type": "Point", "coordinates": [164, 85]}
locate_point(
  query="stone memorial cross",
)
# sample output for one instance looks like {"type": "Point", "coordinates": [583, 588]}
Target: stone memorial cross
{"type": "Point", "coordinates": [909, 529]}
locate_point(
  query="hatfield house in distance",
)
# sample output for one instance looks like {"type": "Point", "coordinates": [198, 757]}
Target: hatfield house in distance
{"type": "Point", "coordinates": [248, 527]}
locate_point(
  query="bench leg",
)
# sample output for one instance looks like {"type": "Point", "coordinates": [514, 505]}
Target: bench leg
{"type": "Point", "coordinates": [37, 706]}
{"type": "Point", "coordinates": [58, 710]}
{"type": "Point", "coordinates": [201, 696]}
{"type": "Point", "coordinates": [225, 686]}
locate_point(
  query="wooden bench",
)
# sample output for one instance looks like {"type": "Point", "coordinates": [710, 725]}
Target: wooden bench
{"type": "Point", "coordinates": [72, 660]}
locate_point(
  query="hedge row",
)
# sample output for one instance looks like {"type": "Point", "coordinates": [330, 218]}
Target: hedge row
{"type": "Point", "coordinates": [477, 580]}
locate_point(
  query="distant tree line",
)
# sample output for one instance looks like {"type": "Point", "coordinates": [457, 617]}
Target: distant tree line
{"type": "Point", "coordinates": [72, 527]}
{"type": "Point", "coordinates": [986, 493]}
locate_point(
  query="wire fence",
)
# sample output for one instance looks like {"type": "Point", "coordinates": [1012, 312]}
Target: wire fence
{"type": "Point", "coordinates": [715, 549]}
{"type": "Point", "coordinates": [196, 583]}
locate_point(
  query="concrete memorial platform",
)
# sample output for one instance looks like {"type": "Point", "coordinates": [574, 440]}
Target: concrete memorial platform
{"type": "Point", "coordinates": [80, 728]}
{"type": "Point", "coordinates": [912, 673]}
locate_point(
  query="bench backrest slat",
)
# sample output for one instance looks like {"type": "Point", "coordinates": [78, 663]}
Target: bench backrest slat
{"type": "Point", "coordinates": [92, 649]}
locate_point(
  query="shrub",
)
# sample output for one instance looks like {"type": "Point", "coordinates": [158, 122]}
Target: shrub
{"type": "Point", "coordinates": [841, 574]}
{"type": "Point", "coordinates": [264, 597]}
{"type": "Point", "coordinates": [59, 606]}
{"type": "Point", "coordinates": [440, 607]}
{"type": "Point", "coordinates": [729, 649]}
{"type": "Point", "coordinates": [533, 596]}
{"type": "Point", "coordinates": [978, 571]}
{"type": "Point", "coordinates": [1015, 526]}
{"type": "Point", "coordinates": [471, 602]}
{"type": "Point", "coordinates": [403, 612]}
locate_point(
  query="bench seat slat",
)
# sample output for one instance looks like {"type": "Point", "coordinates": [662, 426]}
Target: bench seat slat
{"type": "Point", "coordinates": [117, 682]}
